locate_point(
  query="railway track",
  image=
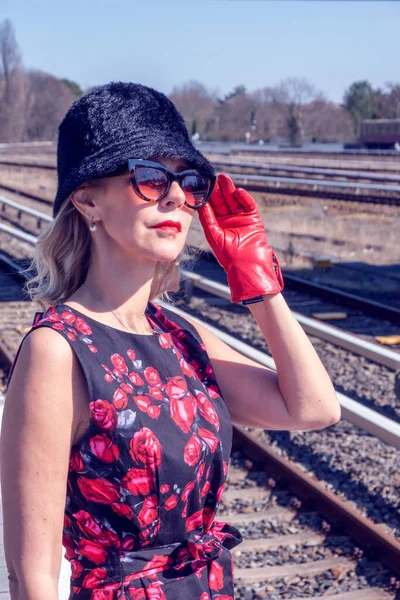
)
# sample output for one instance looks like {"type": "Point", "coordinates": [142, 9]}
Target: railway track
{"type": "Point", "coordinates": [295, 185]}
{"type": "Point", "coordinates": [300, 539]}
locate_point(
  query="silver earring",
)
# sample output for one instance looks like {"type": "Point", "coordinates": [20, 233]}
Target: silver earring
{"type": "Point", "coordinates": [92, 226]}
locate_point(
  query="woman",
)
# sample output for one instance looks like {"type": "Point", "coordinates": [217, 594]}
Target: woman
{"type": "Point", "coordinates": [117, 424]}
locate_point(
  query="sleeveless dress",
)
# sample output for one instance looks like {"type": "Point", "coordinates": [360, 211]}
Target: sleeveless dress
{"type": "Point", "coordinates": [146, 478]}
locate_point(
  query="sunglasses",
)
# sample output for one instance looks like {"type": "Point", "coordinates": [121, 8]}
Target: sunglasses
{"type": "Point", "coordinates": [152, 180]}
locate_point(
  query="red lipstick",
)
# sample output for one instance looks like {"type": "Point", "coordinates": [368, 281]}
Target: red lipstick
{"type": "Point", "coordinates": [174, 224]}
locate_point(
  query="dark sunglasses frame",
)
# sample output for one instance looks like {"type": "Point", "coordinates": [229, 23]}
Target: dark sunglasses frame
{"type": "Point", "coordinates": [171, 176]}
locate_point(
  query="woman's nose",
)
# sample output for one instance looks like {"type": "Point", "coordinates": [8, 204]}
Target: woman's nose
{"type": "Point", "coordinates": [175, 195]}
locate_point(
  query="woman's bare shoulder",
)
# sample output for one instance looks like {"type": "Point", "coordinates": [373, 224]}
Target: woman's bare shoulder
{"type": "Point", "coordinates": [45, 359]}
{"type": "Point", "coordinates": [42, 342]}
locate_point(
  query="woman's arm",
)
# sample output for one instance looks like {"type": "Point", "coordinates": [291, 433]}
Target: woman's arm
{"type": "Point", "coordinates": [300, 396]}
{"type": "Point", "coordinates": [41, 414]}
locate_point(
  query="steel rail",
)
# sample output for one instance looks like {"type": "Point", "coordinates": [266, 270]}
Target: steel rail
{"type": "Point", "coordinates": [39, 216]}
{"type": "Point", "coordinates": [311, 170]}
{"type": "Point", "coordinates": [373, 187]}
{"type": "Point", "coordinates": [369, 420]}
{"type": "Point", "coordinates": [380, 355]}
{"type": "Point", "coordinates": [263, 178]}
{"type": "Point", "coordinates": [369, 535]}
{"type": "Point", "coordinates": [26, 237]}
{"type": "Point", "coordinates": [383, 356]}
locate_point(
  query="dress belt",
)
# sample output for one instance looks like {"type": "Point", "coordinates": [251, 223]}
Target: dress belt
{"type": "Point", "coordinates": [170, 560]}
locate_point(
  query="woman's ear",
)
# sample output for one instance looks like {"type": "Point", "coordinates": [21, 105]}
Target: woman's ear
{"type": "Point", "coordinates": [82, 199]}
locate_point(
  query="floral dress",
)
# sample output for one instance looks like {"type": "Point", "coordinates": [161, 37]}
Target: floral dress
{"type": "Point", "coordinates": [146, 478]}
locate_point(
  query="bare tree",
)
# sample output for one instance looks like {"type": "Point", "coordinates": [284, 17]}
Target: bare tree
{"type": "Point", "coordinates": [327, 122]}
{"type": "Point", "coordinates": [13, 85]}
{"type": "Point", "coordinates": [49, 100]}
{"type": "Point", "coordinates": [290, 96]}
{"type": "Point", "coordinates": [10, 55]}
{"type": "Point", "coordinates": [196, 104]}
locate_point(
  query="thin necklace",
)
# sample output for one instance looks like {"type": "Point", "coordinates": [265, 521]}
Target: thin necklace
{"type": "Point", "coordinates": [109, 308]}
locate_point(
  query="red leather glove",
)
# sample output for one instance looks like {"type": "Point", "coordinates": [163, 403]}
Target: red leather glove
{"type": "Point", "coordinates": [236, 234]}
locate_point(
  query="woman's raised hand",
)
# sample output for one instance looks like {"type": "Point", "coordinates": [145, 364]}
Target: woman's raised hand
{"type": "Point", "coordinates": [236, 234]}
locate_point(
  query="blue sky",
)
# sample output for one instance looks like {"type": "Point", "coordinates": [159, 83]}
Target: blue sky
{"type": "Point", "coordinates": [221, 43]}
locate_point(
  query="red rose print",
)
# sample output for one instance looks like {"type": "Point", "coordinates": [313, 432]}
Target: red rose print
{"type": "Point", "coordinates": [136, 593]}
{"type": "Point", "coordinates": [195, 520]}
{"type": "Point", "coordinates": [213, 391]}
{"type": "Point", "coordinates": [209, 438]}
{"type": "Point", "coordinates": [103, 414]}
{"type": "Point", "coordinates": [164, 489]}
{"type": "Point", "coordinates": [202, 517]}
{"type": "Point", "coordinates": [198, 567]}
{"type": "Point", "coordinates": [216, 576]}
{"type": "Point", "coordinates": [94, 578]}
{"type": "Point", "coordinates": [186, 491]}
{"type": "Point", "coordinates": [192, 452]}
{"type": "Point", "coordinates": [69, 547]}
{"type": "Point", "coordinates": [76, 569]}
{"type": "Point", "coordinates": [139, 482]}
{"type": "Point", "coordinates": [128, 543]}
{"type": "Point", "coordinates": [126, 387]}
{"type": "Point", "coordinates": [146, 448]}
{"type": "Point", "coordinates": [165, 340]}
{"type": "Point", "coordinates": [102, 447]}
{"type": "Point", "coordinates": [196, 366]}
{"type": "Point", "coordinates": [149, 511]}
{"type": "Point", "coordinates": [152, 377]}
{"type": "Point", "coordinates": [87, 525]}
{"type": "Point", "coordinates": [131, 354]}
{"type": "Point", "coordinates": [200, 472]}
{"type": "Point", "coordinates": [109, 377]}
{"type": "Point", "coordinates": [102, 595]}
{"type": "Point", "coordinates": [136, 379]}
{"type": "Point", "coordinates": [205, 489]}
{"type": "Point", "coordinates": [207, 410]}
{"type": "Point", "coordinates": [123, 510]}
{"type": "Point", "coordinates": [155, 393]}
{"type": "Point", "coordinates": [76, 462]}
{"type": "Point", "coordinates": [171, 502]}
{"type": "Point", "coordinates": [98, 490]}
{"type": "Point", "coordinates": [154, 591]}
{"type": "Point", "coordinates": [186, 368]}
{"type": "Point", "coordinates": [176, 387]}
{"type": "Point", "coordinates": [182, 412]}
{"type": "Point", "coordinates": [226, 467]}
{"type": "Point", "coordinates": [58, 326]}
{"type": "Point", "coordinates": [220, 491]}
{"type": "Point", "coordinates": [82, 326]}
{"type": "Point", "coordinates": [142, 402]}
{"type": "Point", "coordinates": [204, 596]}
{"type": "Point", "coordinates": [92, 551]}
{"type": "Point", "coordinates": [154, 411]}
{"type": "Point", "coordinates": [71, 336]}
{"type": "Point", "coordinates": [92, 348]}
{"type": "Point", "coordinates": [120, 399]}
{"type": "Point", "coordinates": [68, 317]}
{"type": "Point", "coordinates": [208, 517]}
{"type": "Point", "coordinates": [119, 363]}
{"type": "Point", "coordinates": [184, 512]}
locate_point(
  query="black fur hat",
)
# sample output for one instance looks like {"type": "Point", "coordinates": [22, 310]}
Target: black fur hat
{"type": "Point", "coordinates": [114, 122]}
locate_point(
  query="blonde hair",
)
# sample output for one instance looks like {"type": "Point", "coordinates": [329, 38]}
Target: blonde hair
{"type": "Point", "coordinates": [62, 257]}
